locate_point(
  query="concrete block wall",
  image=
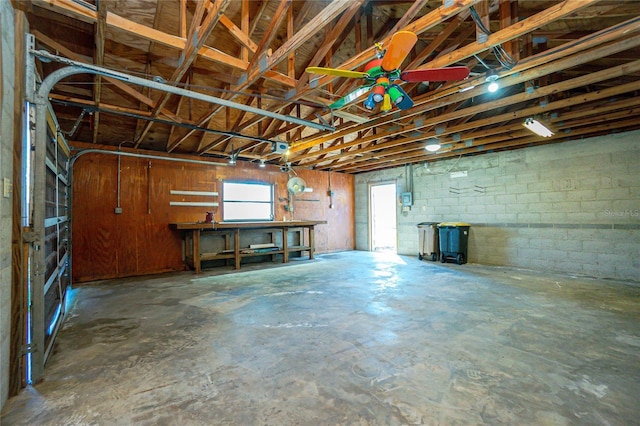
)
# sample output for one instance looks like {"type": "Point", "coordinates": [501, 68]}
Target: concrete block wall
{"type": "Point", "coordinates": [7, 51]}
{"type": "Point", "coordinates": [572, 207]}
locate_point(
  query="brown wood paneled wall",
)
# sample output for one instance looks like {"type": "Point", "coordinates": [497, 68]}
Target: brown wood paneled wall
{"type": "Point", "coordinates": [138, 241]}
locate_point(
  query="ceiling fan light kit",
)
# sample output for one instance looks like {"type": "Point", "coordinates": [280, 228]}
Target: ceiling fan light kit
{"type": "Point", "coordinates": [370, 103]}
{"type": "Point", "coordinates": [537, 127]}
{"type": "Point", "coordinates": [386, 103]}
{"type": "Point", "coordinates": [378, 92]}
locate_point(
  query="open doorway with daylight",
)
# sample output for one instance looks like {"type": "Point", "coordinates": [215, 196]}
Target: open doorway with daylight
{"type": "Point", "coordinates": [382, 208]}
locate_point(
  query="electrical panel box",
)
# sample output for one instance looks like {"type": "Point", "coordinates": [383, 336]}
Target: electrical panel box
{"type": "Point", "coordinates": [407, 199]}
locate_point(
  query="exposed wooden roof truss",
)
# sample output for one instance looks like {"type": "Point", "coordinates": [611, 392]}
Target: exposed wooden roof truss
{"type": "Point", "coordinates": [575, 68]}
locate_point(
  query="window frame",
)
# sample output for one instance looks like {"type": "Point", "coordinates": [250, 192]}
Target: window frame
{"type": "Point", "coordinates": [271, 203]}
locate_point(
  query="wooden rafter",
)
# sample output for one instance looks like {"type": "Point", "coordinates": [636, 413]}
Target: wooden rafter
{"type": "Point", "coordinates": [551, 14]}
{"type": "Point", "coordinates": [570, 56]}
{"type": "Point", "coordinates": [470, 132]}
{"type": "Point", "coordinates": [128, 90]}
{"type": "Point", "coordinates": [253, 73]}
{"type": "Point", "coordinates": [512, 100]}
{"type": "Point", "coordinates": [198, 34]}
{"type": "Point", "coordinates": [69, 8]}
{"type": "Point", "coordinates": [330, 40]}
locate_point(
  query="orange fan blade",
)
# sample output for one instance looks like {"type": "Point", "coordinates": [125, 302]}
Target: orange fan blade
{"type": "Point", "coordinates": [336, 72]}
{"type": "Point", "coordinates": [401, 44]}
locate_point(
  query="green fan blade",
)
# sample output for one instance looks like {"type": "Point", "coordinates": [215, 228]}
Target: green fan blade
{"type": "Point", "coordinates": [350, 97]}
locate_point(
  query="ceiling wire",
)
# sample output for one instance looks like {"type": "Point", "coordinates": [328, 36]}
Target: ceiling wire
{"type": "Point", "coordinates": [501, 55]}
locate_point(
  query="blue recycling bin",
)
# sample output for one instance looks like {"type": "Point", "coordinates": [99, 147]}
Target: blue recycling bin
{"type": "Point", "coordinates": [454, 241]}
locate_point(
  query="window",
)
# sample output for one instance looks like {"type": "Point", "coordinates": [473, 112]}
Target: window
{"type": "Point", "coordinates": [247, 201]}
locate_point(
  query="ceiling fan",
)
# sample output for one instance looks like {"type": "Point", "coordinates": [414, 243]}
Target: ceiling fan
{"type": "Point", "coordinates": [381, 74]}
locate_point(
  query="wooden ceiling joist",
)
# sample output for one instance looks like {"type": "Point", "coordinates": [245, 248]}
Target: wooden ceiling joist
{"type": "Point", "coordinates": [576, 67]}
{"type": "Point", "coordinates": [503, 102]}
{"type": "Point", "coordinates": [531, 69]}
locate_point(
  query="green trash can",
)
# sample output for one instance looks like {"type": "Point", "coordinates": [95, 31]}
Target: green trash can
{"type": "Point", "coordinates": [428, 241]}
{"type": "Point", "coordinates": [454, 241]}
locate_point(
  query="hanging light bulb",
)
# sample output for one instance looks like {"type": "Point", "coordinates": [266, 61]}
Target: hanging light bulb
{"type": "Point", "coordinates": [492, 79]}
{"type": "Point", "coordinates": [433, 145]}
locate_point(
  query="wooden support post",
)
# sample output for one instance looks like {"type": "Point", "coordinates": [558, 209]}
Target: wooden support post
{"type": "Point", "coordinates": [311, 242]}
{"type": "Point", "coordinates": [227, 245]}
{"type": "Point", "coordinates": [285, 244]}
{"type": "Point", "coordinates": [196, 250]}
{"type": "Point", "coordinates": [236, 248]}
{"type": "Point", "coordinates": [19, 250]}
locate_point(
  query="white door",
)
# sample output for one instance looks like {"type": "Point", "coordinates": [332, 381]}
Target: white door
{"type": "Point", "coordinates": [383, 217]}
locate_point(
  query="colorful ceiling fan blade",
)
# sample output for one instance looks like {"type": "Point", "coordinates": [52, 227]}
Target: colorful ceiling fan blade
{"type": "Point", "coordinates": [399, 47]}
{"type": "Point", "coordinates": [350, 97]}
{"type": "Point", "coordinates": [435, 74]}
{"type": "Point", "coordinates": [336, 72]}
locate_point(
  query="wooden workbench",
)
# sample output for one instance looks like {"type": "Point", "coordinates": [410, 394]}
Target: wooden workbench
{"type": "Point", "coordinates": [191, 233]}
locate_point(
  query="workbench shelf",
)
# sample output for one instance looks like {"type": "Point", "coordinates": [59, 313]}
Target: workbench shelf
{"type": "Point", "coordinates": [299, 249]}
{"type": "Point", "coordinates": [216, 256]}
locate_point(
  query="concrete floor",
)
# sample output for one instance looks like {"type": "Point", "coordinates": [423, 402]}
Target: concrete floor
{"type": "Point", "coordinates": [350, 338]}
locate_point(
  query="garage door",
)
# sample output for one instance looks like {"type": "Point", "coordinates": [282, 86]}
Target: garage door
{"type": "Point", "coordinates": [49, 267]}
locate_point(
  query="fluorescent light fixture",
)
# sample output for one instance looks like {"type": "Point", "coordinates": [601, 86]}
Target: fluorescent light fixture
{"type": "Point", "coordinates": [537, 127]}
{"type": "Point", "coordinates": [492, 79]}
{"type": "Point", "coordinates": [433, 145]}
